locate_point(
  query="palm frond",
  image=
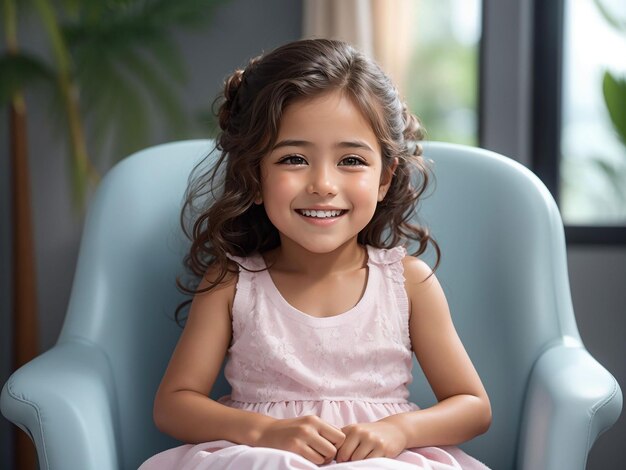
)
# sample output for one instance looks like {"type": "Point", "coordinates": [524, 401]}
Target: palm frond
{"type": "Point", "coordinates": [132, 127]}
{"type": "Point", "coordinates": [151, 83]}
{"type": "Point", "coordinates": [115, 41]}
{"type": "Point", "coordinates": [101, 76]}
{"type": "Point", "coordinates": [22, 71]}
{"type": "Point", "coordinates": [187, 13]}
{"type": "Point", "coordinates": [128, 41]}
{"type": "Point", "coordinates": [70, 8]}
{"type": "Point", "coordinates": [100, 105]}
{"type": "Point", "coordinates": [169, 59]}
{"type": "Point", "coordinates": [156, 15]}
{"type": "Point", "coordinates": [116, 110]}
{"type": "Point", "coordinates": [123, 57]}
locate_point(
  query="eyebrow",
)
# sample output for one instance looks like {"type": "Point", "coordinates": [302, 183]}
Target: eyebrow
{"type": "Point", "coordinates": [350, 144]}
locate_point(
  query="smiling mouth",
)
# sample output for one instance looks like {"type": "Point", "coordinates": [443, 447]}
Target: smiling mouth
{"type": "Point", "coordinates": [321, 214]}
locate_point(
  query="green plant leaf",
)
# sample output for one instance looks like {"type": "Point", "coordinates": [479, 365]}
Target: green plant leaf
{"type": "Point", "coordinates": [133, 124]}
{"type": "Point", "coordinates": [22, 71]}
{"type": "Point", "coordinates": [70, 7]}
{"type": "Point", "coordinates": [188, 13]}
{"type": "Point", "coordinates": [166, 54]}
{"type": "Point", "coordinates": [614, 90]}
{"type": "Point", "coordinates": [123, 56]}
{"type": "Point", "coordinates": [115, 108]}
{"type": "Point", "coordinates": [156, 90]}
{"type": "Point", "coordinates": [106, 72]}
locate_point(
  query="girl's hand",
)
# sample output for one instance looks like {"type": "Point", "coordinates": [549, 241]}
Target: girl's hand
{"type": "Point", "coordinates": [370, 440]}
{"type": "Point", "coordinates": [308, 436]}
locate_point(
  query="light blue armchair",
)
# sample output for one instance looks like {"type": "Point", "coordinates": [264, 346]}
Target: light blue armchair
{"type": "Point", "coordinates": [87, 402]}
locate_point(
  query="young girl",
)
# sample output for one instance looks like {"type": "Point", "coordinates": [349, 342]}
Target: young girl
{"type": "Point", "coordinates": [307, 288]}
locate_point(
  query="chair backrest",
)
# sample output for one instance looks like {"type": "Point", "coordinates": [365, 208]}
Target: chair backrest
{"type": "Point", "coordinates": [503, 270]}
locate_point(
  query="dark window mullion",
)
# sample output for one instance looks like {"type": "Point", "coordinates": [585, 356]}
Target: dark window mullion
{"type": "Point", "coordinates": [546, 115]}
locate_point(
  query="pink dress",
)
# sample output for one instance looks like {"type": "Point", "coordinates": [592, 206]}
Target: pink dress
{"type": "Point", "coordinates": [349, 368]}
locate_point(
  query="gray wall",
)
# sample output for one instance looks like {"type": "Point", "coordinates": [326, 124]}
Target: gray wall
{"type": "Point", "coordinates": [598, 284]}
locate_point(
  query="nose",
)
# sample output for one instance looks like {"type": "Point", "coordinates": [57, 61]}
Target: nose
{"type": "Point", "coordinates": [322, 182]}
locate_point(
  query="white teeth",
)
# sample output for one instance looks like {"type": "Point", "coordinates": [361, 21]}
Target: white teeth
{"type": "Point", "coordinates": [320, 214]}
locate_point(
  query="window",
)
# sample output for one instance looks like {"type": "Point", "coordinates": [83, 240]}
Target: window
{"type": "Point", "coordinates": [592, 176]}
{"type": "Point", "coordinates": [575, 146]}
{"type": "Point", "coordinates": [442, 85]}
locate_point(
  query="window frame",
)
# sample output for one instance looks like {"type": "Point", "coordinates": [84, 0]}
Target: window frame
{"type": "Point", "coordinates": [547, 75]}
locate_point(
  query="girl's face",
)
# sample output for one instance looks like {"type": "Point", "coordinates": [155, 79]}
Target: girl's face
{"type": "Point", "coordinates": [322, 180]}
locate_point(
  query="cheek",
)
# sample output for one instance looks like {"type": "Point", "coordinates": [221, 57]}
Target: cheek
{"type": "Point", "coordinates": [366, 187]}
{"type": "Point", "coordinates": [279, 185]}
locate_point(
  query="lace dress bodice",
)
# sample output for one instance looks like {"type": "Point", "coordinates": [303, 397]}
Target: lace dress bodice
{"type": "Point", "coordinates": [280, 354]}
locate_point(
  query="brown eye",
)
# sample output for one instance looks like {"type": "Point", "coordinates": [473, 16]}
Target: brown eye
{"type": "Point", "coordinates": [352, 161]}
{"type": "Point", "coordinates": [293, 160]}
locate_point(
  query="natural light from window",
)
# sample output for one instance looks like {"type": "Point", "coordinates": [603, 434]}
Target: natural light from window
{"type": "Point", "coordinates": [442, 87]}
{"type": "Point", "coordinates": [593, 153]}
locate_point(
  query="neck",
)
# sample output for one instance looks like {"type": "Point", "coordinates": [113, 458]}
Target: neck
{"type": "Point", "coordinates": [291, 257]}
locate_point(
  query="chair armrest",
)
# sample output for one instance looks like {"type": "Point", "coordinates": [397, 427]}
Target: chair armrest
{"type": "Point", "coordinates": [65, 401]}
{"type": "Point", "coordinates": [571, 399]}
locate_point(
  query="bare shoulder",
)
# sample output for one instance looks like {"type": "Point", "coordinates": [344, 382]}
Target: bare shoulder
{"type": "Point", "coordinates": [417, 272]}
{"type": "Point", "coordinates": [216, 286]}
{"type": "Point", "coordinates": [203, 344]}
{"type": "Point", "coordinates": [214, 272]}
{"type": "Point", "coordinates": [425, 295]}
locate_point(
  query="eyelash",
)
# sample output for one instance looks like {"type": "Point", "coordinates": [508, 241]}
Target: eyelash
{"type": "Point", "coordinates": [288, 158]}
{"type": "Point", "coordinates": [291, 157]}
{"type": "Point", "coordinates": [359, 161]}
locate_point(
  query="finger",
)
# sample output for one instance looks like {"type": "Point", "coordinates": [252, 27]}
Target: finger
{"type": "Point", "coordinates": [323, 447]}
{"type": "Point", "coordinates": [362, 451]}
{"type": "Point", "coordinates": [346, 450]}
{"type": "Point", "coordinates": [375, 453]}
{"type": "Point", "coordinates": [312, 455]}
{"type": "Point", "coordinates": [333, 434]}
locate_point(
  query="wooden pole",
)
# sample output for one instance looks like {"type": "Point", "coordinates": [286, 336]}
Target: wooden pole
{"type": "Point", "coordinates": [25, 324]}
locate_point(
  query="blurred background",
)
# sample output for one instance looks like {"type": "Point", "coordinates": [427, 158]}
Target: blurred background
{"type": "Point", "coordinates": [84, 84]}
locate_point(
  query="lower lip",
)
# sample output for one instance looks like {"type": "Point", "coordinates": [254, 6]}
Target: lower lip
{"type": "Point", "coordinates": [321, 221]}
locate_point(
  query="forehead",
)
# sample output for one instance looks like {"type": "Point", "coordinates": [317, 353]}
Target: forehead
{"type": "Point", "coordinates": [327, 118]}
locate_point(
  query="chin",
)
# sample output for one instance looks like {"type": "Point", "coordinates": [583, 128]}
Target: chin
{"type": "Point", "coordinates": [324, 247]}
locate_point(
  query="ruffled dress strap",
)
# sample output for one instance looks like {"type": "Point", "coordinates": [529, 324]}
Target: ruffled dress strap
{"type": "Point", "coordinates": [389, 261]}
{"type": "Point", "coordinates": [248, 263]}
{"type": "Point", "coordinates": [249, 266]}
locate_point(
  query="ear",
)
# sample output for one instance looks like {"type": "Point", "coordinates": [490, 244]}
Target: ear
{"type": "Point", "coordinates": [386, 179]}
{"type": "Point", "coordinates": [258, 199]}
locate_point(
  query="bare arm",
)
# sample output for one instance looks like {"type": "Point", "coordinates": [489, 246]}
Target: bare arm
{"type": "Point", "coordinates": [463, 410]}
{"type": "Point", "coordinates": [182, 408]}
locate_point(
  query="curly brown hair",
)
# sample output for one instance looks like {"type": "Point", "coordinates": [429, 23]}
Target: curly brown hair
{"type": "Point", "coordinates": [250, 110]}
